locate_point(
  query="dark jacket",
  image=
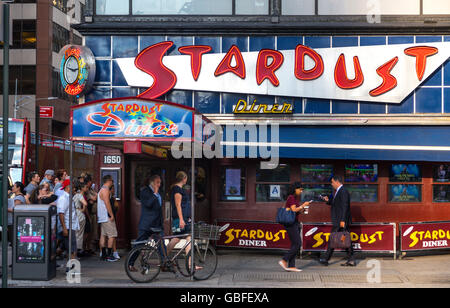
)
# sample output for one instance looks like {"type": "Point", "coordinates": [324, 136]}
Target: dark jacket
{"type": "Point", "coordinates": [151, 211]}
{"type": "Point", "coordinates": [340, 209]}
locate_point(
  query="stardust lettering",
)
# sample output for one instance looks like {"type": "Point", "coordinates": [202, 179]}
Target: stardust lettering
{"type": "Point", "coordinates": [269, 61]}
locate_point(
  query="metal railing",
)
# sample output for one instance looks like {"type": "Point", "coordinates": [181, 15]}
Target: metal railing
{"type": "Point", "coordinates": [63, 144]}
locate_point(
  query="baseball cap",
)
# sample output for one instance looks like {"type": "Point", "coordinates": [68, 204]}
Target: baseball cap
{"type": "Point", "coordinates": [49, 172]}
{"type": "Point", "coordinates": [65, 183]}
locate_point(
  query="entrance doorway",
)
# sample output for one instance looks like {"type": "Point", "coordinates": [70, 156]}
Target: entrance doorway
{"type": "Point", "coordinates": [139, 170]}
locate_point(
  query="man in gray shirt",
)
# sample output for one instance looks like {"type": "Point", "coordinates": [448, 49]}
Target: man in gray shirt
{"type": "Point", "coordinates": [34, 183]}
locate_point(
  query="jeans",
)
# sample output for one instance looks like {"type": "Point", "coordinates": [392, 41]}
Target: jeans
{"type": "Point", "coordinates": [293, 232]}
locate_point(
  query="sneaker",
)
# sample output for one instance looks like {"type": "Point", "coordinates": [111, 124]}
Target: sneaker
{"type": "Point", "coordinates": [111, 259]}
{"type": "Point", "coordinates": [116, 255]}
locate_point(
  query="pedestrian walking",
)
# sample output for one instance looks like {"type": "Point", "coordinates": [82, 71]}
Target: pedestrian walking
{"type": "Point", "coordinates": [293, 203]}
{"type": "Point", "coordinates": [106, 220]}
{"type": "Point", "coordinates": [151, 221]}
{"type": "Point", "coordinates": [341, 217]}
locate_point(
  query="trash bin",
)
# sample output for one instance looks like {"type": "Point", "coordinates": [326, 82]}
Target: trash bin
{"type": "Point", "coordinates": [34, 242]}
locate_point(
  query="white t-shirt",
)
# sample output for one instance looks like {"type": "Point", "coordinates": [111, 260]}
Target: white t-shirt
{"type": "Point", "coordinates": [62, 205]}
{"type": "Point", "coordinates": [102, 212]}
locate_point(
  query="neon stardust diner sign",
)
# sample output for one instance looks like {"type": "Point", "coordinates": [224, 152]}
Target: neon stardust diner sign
{"type": "Point", "coordinates": [369, 73]}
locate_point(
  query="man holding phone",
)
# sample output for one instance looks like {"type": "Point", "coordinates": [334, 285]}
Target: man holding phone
{"type": "Point", "coordinates": [341, 217]}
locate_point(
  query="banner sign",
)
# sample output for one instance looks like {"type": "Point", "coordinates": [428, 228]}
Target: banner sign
{"type": "Point", "coordinates": [383, 74]}
{"type": "Point", "coordinates": [425, 235]}
{"type": "Point", "coordinates": [365, 237]}
{"type": "Point", "coordinates": [250, 234]}
{"type": "Point", "coordinates": [131, 118]}
{"type": "Point", "coordinates": [46, 112]}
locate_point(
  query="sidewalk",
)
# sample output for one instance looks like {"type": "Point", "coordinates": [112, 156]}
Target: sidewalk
{"type": "Point", "coordinates": [243, 269]}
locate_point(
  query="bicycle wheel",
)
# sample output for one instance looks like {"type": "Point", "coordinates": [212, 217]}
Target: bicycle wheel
{"type": "Point", "coordinates": [147, 263]}
{"type": "Point", "coordinates": [204, 257]}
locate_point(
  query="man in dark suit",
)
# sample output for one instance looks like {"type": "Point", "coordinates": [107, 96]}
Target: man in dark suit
{"type": "Point", "coordinates": [151, 221]}
{"type": "Point", "coordinates": [341, 217]}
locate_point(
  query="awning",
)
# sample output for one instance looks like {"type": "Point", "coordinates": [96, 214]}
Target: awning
{"type": "Point", "coordinates": [388, 143]}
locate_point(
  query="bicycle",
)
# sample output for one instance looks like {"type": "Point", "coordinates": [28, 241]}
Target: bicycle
{"type": "Point", "coordinates": [147, 255]}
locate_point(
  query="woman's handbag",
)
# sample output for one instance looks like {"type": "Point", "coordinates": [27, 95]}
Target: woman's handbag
{"type": "Point", "coordinates": [340, 240]}
{"type": "Point", "coordinates": [285, 216]}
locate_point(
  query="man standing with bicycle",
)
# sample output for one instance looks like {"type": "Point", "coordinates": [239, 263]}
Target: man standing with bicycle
{"type": "Point", "coordinates": [151, 221]}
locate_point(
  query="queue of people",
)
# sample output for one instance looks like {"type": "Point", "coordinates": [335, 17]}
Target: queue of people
{"type": "Point", "coordinates": [88, 209]}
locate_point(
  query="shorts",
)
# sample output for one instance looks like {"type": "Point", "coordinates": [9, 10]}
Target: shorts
{"type": "Point", "coordinates": [108, 229]}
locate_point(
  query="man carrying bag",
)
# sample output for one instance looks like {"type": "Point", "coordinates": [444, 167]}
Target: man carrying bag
{"type": "Point", "coordinates": [341, 218]}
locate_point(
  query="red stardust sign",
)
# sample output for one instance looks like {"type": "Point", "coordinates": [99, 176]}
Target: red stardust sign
{"type": "Point", "coordinates": [365, 237]}
{"type": "Point", "coordinates": [362, 73]}
{"type": "Point", "coordinates": [425, 236]}
{"type": "Point", "coordinates": [246, 234]}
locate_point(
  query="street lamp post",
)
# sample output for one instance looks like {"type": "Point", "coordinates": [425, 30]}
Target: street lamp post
{"type": "Point", "coordinates": [5, 143]}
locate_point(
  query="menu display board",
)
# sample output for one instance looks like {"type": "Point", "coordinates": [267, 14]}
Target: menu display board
{"type": "Point", "coordinates": [314, 191]}
{"type": "Point", "coordinates": [363, 193]}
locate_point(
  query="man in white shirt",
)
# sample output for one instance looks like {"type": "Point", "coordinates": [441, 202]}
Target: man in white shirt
{"type": "Point", "coordinates": [63, 211]}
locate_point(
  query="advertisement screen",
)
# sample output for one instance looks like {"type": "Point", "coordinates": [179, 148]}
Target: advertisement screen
{"type": "Point", "coordinates": [361, 173]}
{"type": "Point", "coordinates": [316, 173]}
{"type": "Point", "coordinates": [30, 239]}
{"type": "Point", "coordinates": [405, 173]}
{"type": "Point", "coordinates": [441, 173]}
{"type": "Point", "coordinates": [405, 193]}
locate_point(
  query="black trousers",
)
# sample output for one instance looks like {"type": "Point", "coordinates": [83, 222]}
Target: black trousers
{"type": "Point", "coordinates": [329, 253]}
{"type": "Point", "coordinates": [293, 232]}
{"type": "Point", "coordinates": [145, 235]}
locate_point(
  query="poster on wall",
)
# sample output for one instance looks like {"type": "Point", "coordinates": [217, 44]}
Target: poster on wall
{"type": "Point", "coordinates": [253, 234]}
{"type": "Point", "coordinates": [365, 236]}
{"type": "Point", "coordinates": [30, 239]}
{"type": "Point", "coordinates": [232, 183]}
{"type": "Point", "coordinates": [424, 235]}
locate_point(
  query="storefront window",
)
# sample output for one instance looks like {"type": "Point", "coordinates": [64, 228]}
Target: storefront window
{"type": "Point", "coordinates": [182, 7]}
{"type": "Point", "coordinates": [314, 191]}
{"type": "Point", "coordinates": [405, 173]}
{"type": "Point", "coordinates": [405, 193]}
{"type": "Point", "coordinates": [441, 193]}
{"type": "Point", "coordinates": [361, 173]}
{"type": "Point", "coordinates": [280, 174]}
{"type": "Point", "coordinates": [268, 187]}
{"type": "Point", "coordinates": [318, 177]}
{"type": "Point", "coordinates": [112, 7]}
{"type": "Point", "coordinates": [233, 184]}
{"type": "Point", "coordinates": [316, 173]}
{"type": "Point", "coordinates": [363, 193]}
{"type": "Point", "coordinates": [252, 7]}
{"type": "Point", "coordinates": [441, 174]}
{"type": "Point", "coordinates": [272, 192]}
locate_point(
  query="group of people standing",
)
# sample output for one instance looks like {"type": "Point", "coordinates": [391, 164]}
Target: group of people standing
{"type": "Point", "coordinates": [341, 218]}
{"type": "Point", "coordinates": [88, 211]}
